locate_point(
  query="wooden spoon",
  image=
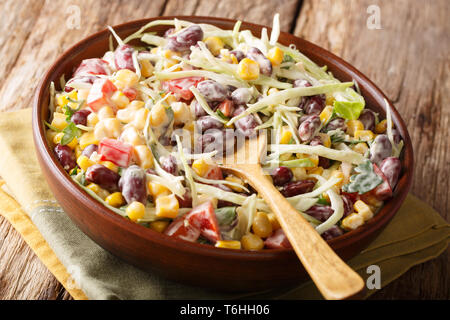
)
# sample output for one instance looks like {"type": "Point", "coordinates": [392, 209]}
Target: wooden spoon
{"type": "Point", "coordinates": [332, 276]}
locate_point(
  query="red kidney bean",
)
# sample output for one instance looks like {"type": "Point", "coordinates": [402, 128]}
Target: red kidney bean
{"type": "Point", "coordinates": [185, 39]}
{"type": "Point", "coordinates": [309, 127]}
{"type": "Point", "coordinates": [89, 150]}
{"type": "Point", "coordinates": [348, 204]}
{"type": "Point", "coordinates": [316, 141]}
{"type": "Point", "coordinates": [223, 203]}
{"type": "Point", "coordinates": [169, 164]}
{"type": "Point", "coordinates": [132, 184]}
{"type": "Point", "coordinates": [89, 67]}
{"type": "Point", "coordinates": [367, 117]}
{"type": "Point", "coordinates": [123, 57]}
{"type": "Point", "coordinates": [301, 83]}
{"type": "Point", "coordinates": [208, 122]}
{"type": "Point", "coordinates": [104, 177]}
{"type": "Point", "coordinates": [80, 117]}
{"type": "Point", "coordinates": [324, 162]}
{"type": "Point", "coordinates": [295, 188]}
{"type": "Point", "coordinates": [281, 176]}
{"type": "Point", "coordinates": [313, 105]}
{"type": "Point", "coordinates": [238, 54]}
{"type": "Point", "coordinates": [383, 191]}
{"type": "Point", "coordinates": [215, 140]}
{"type": "Point", "coordinates": [331, 233]}
{"type": "Point", "coordinates": [246, 125]}
{"type": "Point", "coordinates": [197, 108]}
{"type": "Point", "coordinates": [380, 149]}
{"type": "Point", "coordinates": [212, 90]}
{"type": "Point", "coordinates": [277, 240]}
{"type": "Point", "coordinates": [241, 96]}
{"type": "Point", "coordinates": [65, 156]}
{"type": "Point", "coordinates": [186, 200]}
{"type": "Point", "coordinates": [321, 213]}
{"type": "Point", "coordinates": [391, 168]}
{"type": "Point", "coordinates": [337, 123]}
{"type": "Point", "coordinates": [265, 66]}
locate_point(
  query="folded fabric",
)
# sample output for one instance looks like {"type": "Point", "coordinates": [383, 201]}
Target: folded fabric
{"type": "Point", "coordinates": [416, 234]}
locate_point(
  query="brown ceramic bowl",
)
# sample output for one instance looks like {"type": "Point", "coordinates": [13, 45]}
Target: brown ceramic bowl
{"type": "Point", "coordinates": [192, 263]}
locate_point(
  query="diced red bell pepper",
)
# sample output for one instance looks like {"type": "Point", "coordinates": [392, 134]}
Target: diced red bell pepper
{"type": "Point", "coordinates": [115, 151]}
{"type": "Point", "coordinates": [92, 66]}
{"type": "Point", "coordinates": [179, 229]}
{"type": "Point", "coordinates": [131, 93]}
{"type": "Point", "coordinates": [383, 191]}
{"type": "Point", "coordinates": [203, 218]}
{"type": "Point", "coordinates": [180, 87]}
{"type": "Point", "coordinates": [214, 173]}
{"type": "Point", "coordinates": [226, 107]}
{"type": "Point", "coordinates": [123, 57]}
{"type": "Point", "coordinates": [101, 91]}
{"type": "Point", "coordinates": [277, 240]}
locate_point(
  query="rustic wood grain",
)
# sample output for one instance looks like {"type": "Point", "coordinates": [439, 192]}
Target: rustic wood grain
{"type": "Point", "coordinates": [409, 60]}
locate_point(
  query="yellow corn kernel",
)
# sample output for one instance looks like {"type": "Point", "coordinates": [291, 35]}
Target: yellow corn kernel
{"type": "Point", "coordinates": [168, 63]}
{"type": "Point", "coordinates": [273, 221]}
{"type": "Point", "coordinates": [286, 135]}
{"type": "Point", "coordinates": [94, 187]}
{"type": "Point", "coordinates": [84, 162]}
{"type": "Point", "coordinates": [156, 189]}
{"type": "Point", "coordinates": [57, 138]}
{"type": "Point", "coordinates": [252, 242]}
{"type": "Point", "coordinates": [113, 127]}
{"type": "Point", "coordinates": [326, 113]}
{"type": "Point", "coordinates": [234, 60]}
{"type": "Point", "coordinates": [329, 100]}
{"type": "Point", "coordinates": [381, 127]}
{"type": "Point", "coordinates": [373, 202]}
{"type": "Point", "coordinates": [135, 211]}
{"type": "Point", "coordinates": [139, 118]}
{"type": "Point", "coordinates": [363, 210]}
{"type": "Point", "coordinates": [154, 50]}
{"type": "Point", "coordinates": [201, 167]}
{"type": "Point", "coordinates": [352, 221]}
{"type": "Point", "coordinates": [144, 157]}
{"type": "Point", "coordinates": [88, 138]}
{"type": "Point", "coordinates": [131, 136]}
{"type": "Point", "coordinates": [167, 206]}
{"type": "Point", "coordinates": [353, 126]}
{"type": "Point", "coordinates": [105, 112]}
{"type": "Point", "coordinates": [159, 226]}
{"type": "Point", "coordinates": [72, 144]}
{"type": "Point", "coordinates": [317, 170]}
{"type": "Point", "coordinates": [146, 68]}
{"type": "Point", "coordinates": [338, 174]}
{"type": "Point", "coordinates": [78, 151]}
{"type": "Point", "coordinates": [120, 100]}
{"type": "Point", "coordinates": [59, 121]}
{"type": "Point", "coordinates": [248, 69]}
{"type": "Point", "coordinates": [228, 244]}
{"type": "Point", "coordinates": [169, 54]}
{"type": "Point", "coordinates": [181, 112]}
{"type": "Point", "coordinates": [325, 138]}
{"type": "Point", "coordinates": [205, 198]}
{"type": "Point", "coordinates": [214, 44]}
{"type": "Point", "coordinates": [261, 225]}
{"type": "Point", "coordinates": [365, 135]}
{"type": "Point", "coordinates": [92, 119]}
{"type": "Point", "coordinates": [63, 99]}
{"type": "Point", "coordinates": [275, 55]}
{"type": "Point", "coordinates": [235, 179]}
{"type": "Point", "coordinates": [299, 173]}
{"type": "Point", "coordinates": [115, 199]}
{"type": "Point", "coordinates": [125, 78]}
{"type": "Point", "coordinates": [360, 148]}
{"type": "Point", "coordinates": [111, 166]}
{"type": "Point", "coordinates": [158, 115]}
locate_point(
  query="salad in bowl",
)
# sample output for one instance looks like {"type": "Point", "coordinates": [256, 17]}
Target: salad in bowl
{"type": "Point", "coordinates": [143, 130]}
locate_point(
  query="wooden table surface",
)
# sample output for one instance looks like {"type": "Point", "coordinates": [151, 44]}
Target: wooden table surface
{"type": "Point", "coordinates": [408, 58]}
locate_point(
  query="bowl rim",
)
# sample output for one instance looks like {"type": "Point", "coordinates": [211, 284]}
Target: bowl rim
{"type": "Point", "coordinates": [373, 225]}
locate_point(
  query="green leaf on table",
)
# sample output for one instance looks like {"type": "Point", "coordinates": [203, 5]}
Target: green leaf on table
{"type": "Point", "coordinates": [364, 181]}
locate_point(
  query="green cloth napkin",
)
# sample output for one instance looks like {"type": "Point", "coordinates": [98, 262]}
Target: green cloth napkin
{"type": "Point", "coordinates": [416, 234]}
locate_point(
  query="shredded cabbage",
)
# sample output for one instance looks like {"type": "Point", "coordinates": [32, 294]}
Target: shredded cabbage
{"type": "Point", "coordinates": [338, 206]}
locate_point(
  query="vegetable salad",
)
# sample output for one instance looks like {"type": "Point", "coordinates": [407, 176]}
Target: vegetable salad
{"type": "Point", "coordinates": [142, 129]}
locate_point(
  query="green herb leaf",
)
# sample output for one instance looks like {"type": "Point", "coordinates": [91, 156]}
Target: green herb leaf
{"type": "Point", "coordinates": [365, 181]}
{"type": "Point", "coordinates": [348, 104]}
{"type": "Point", "coordinates": [225, 215]}
{"type": "Point", "coordinates": [322, 200]}
{"type": "Point", "coordinates": [287, 58]}
{"type": "Point", "coordinates": [336, 135]}
{"type": "Point", "coordinates": [220, 114]}
{"type": "Point", "coordinates": [51, 127]}
{"type": "Point", "coordinates": [70, 132]}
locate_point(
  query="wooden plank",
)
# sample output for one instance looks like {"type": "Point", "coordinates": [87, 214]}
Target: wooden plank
{"type": "Point", "coordinates": [408, 59]}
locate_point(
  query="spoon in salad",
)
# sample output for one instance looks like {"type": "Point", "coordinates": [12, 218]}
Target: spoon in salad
{"type": "Point", "coordinates": [332, 276]}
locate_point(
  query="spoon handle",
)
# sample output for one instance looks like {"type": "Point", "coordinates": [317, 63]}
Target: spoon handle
{"type": "Point", "coordinates": [332, 276]}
